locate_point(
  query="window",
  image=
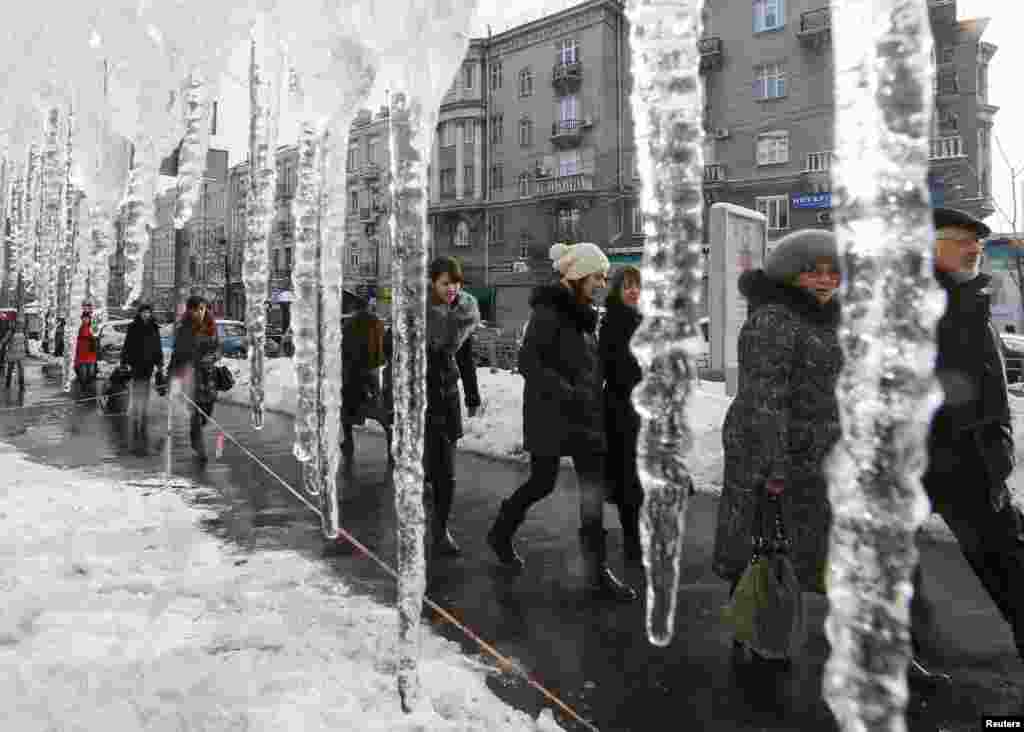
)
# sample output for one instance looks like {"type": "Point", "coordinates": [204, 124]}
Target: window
{"type": "Point", "coordinates": [772, 148]}
{"type": "Point", "coordinates": [447, 181]}
{"type": "Point", "coordinates": [497, 177]}
{"type": "Point", "coordinates": [496, 75]}
{"type": "Point", "coordinates": [353, 203]}
{"type": "Point", "coordinates": [462, 234]}
{"type": "Point", "coordinates": [768, 15]}
{"type": "Point", "coordinates": [775, 209]}
{"type": "Point", "coordinates": [468, 77]}
{"type": "Point", "coordinates": [524, 244]}
{"type": "Point", "coordinates": [638, 219]}
{"type": "Point", "coordinates": [818, 162]}
{"type": "Point", "coordinates": [525, 132]}
{"type": "Point", "coordinates": [353, 258]}
{"type": "Point", "coordinates": [497, 128]}
{"type": "Point", "coordinates": [467, 179]}
{"type": "Point", "coordinates": [769, 81]}
{"type": "Point", "coordinates": [983, 83]}
{"type": "Point", "coordinates": [525, 82]}
{"type": "Point", "coordinates": [567, 107]}
{"type": "Point", "coordinates": [569, 162]}
{"type": "Point", "coordinates": [372, 147]}
{"type": "Point", "coordinates": [568, 51]}
{"type": "Point", "coordinates": [524, 185]}
{"type": "Point", "coordinates": [353, 159]}
{"type": "Point", "coordinates": [568, 223]}
{"type": "Point", "coordinates": [447, 134]}
{"type": "Point", "coordinates": [469, 132]}
{"type": "Point", "coordinates": [288, 258]}
{"type": "Point", "coordinates": [496, 228]}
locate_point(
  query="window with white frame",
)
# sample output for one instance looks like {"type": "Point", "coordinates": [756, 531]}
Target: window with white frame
{"type": "Point", "coordinates": [353, 202]}
{"type": "Point", "coordinates": [353, 258]}
{"type": "Point", "coordinates": [496, 75]}
{"type": "Point", "coordinates": [568, 106]}
{"type": "Point", "coordinates": [469, 131]}
{"type": "Point", "coordinates": [569, 162]}
{"type": "Point", "coordinates": [769, 15]}
{"type": "Point", "coordinates": [525, 132]}
{"type": "Point", "coordinates": [524, 185]}
{"type": "Point", "coordinates": [462, 234]}
{"type": "Point", "coordinates": [769, 81]}
{"type": "Point", "coordinates": [775, 209]}
{"type": "Point", "coordinates": [568, 51]}
{"type": "Point", "coordinates": [773, 147]}
{"type": "Point", "coordinates": [526, 82]}
{"type": "Point", "coordinates": [468, 77]}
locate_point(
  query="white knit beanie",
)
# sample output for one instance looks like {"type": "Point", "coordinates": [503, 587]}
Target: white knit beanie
{"type": "Point", "coordinates": [576, 261]}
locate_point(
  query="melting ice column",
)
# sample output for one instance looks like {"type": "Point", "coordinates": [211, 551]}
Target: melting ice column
{"type": "Point", "coordinates": [667, 112]}
{"type": "Point", "coordinates": [74, 278]}
{"type": "Point", "coordinates": [53, 183]}
{"type": "Point", "coordinates": [259, 213]}
{"type": "Point", "coordinates": [887, 393]}
{"type": "Point", "coordinates": [17, 237]}
{"type": "Point", "coordinates": [29, 238]}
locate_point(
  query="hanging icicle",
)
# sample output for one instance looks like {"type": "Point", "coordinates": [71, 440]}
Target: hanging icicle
{"type": "Point", "coordinates": [101, 224]}
{"type": "Point", "coordinates": [192, 159]}
{"type": "Point", "coordinates": [53, 179]}
{"type": "Point", "coordinates": [667, 112]}
{"type": "Point", "coordinates": [887, 393]}
{"type": "Point", "coordinates": [5, 193]}
{"type": "Point", "coordinates": [137, 206]}
{"type": "Point", "coordinates": [70, 256]}
{"type": "Point", "coordinates": [259, 216]}
{"type": "Point", "coordinates": [16, 207]}
{"type": "Point", "coordinates": [30, 218]}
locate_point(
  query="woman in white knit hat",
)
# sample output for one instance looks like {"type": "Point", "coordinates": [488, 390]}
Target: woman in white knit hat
{"type": "Point", "coordinates": [563, 411]}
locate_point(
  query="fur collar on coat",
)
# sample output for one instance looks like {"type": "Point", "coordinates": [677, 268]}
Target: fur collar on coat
{"type": "Point", "coordinates": [561, 299]}
{"type": "Point", "coordinates": [761, 290]}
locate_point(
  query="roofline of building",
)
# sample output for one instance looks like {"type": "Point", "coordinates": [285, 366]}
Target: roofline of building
{"type": "Point", "coordinates": [548, 19]}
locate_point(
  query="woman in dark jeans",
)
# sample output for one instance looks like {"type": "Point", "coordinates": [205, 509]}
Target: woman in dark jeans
{"type": "Point", "coordinates": [563, 412]}
{"type": "Point", "coordinates": [196, 351]}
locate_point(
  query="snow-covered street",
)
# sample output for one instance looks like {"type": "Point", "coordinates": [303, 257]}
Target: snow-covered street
{"type": "Point", "coordinates": [121, 613]}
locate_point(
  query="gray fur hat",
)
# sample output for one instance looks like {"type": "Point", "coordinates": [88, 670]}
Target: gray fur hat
{"type": "Point", "coordinates": [793, 252]}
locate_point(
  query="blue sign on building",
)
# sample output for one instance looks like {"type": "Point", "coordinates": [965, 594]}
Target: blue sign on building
{"type": "Point", "coordinates": [812, 200]}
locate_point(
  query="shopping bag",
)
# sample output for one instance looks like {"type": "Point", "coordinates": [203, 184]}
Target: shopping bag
{"type": "Point", "coordinates": [223, 379]}
{"type": "Point", "coordinates": [766, 610]}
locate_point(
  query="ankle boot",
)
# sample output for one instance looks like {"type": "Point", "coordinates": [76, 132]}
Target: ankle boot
{"type": "Point", "coordinates": [629, 517]}
{"type": "Point", "coordinates": [444, 544]}
{"type": "Point", "coordinates": [499, 538]}
{"type": "Point", "coordinates": [600, 580]}
{"type": "Point", "coordinates": [196, 436]}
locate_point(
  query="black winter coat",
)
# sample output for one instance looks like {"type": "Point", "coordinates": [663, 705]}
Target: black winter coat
{"type": "Point", "coordinates": [621, 375]}
{"type": "Point", "coordinates": [201, 352]}
{"type": "Point", "coordinates": [562, 404]}
{"type": "Point", "coordinates": [142, 350]}
{"type": "Point", "coordinates": [975, 416]}
{"type": "Point", "coordinates": [466, 361]}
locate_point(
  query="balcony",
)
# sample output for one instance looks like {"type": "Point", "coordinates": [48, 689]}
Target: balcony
{"type": "Point", "coordinates": [714, 173]}
{"type": "Point", "coordinates": [710, 53]}
{"type": "Point", "coordinates": [815, 28]}
{"type": "Point", "coordinates": [947, 84]}
{"type": "Point", "coordinates": [370, 171]}
{"type": "Point", "coordinates": [567, 75]}
{"type": "Point", "coordinates": [567, 132]}
{"type": "Point", "coordinates": [565, 184]}
{"type": "Point", "coordinates": [947, 148]}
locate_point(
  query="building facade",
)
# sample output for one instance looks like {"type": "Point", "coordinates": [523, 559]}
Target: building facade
{"type": "Point", "coordinates": [162, 249]}
{"type": "Point", "coordinates": [205, 235]}
{"type": "Point", "coordinates": [769, 111]}
{"type": "Point", "coordinates": [237, 234]}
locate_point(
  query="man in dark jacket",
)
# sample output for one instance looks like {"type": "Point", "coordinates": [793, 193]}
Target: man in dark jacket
{"type": "Point", "coordinates": [970, 446]}
{"type": "Point", "coordinates": [143, 354]}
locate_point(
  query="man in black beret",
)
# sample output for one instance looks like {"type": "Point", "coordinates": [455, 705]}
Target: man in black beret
{"type": "Point", "coordinates": [970, 445]}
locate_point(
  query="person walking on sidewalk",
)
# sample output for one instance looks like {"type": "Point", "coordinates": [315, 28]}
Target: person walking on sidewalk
{"type": "Point", "coordinates": [452, 315]}
{"type": "Point", "coordinates": [362, 358]}
{"type": "Point", "coordinates": [784, 420]}
{"type": "Point", "coordinates": [970, 445]}
{"type": "Point", "coordinates": [86, 354]}
{"type": "Point", "coordinates": [143, 354]}
{"type": "Point", "coordinates": [58, 339]}
{"type": "Point", "coordinates": [562, 411]}
{"type": "Point", "coordinates": [196, 351]}
{"type": "Point", "coordinates": [16, 353]}
{"type": "Point", "coordinates": [621, 375]}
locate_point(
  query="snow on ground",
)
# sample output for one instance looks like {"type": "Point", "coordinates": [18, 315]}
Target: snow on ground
{"type": "Point", "coordinates": [121, 613]}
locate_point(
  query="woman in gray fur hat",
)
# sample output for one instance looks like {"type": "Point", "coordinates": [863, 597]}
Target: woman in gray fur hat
{"type": "Point", "coordinates": [785, 419]}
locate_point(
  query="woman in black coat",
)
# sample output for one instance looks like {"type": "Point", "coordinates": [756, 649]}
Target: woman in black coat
{"type": "Point", "coordinates": [143, 354]}
{"type": "Point", "coordinates": [621, 375]}
{"type": "Point", "coordinates": [562, 410]}
{"type": "Point", "coordinates": [196, 351]}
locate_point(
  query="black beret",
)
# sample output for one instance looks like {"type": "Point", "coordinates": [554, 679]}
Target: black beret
{"type": "Point", "coordinates": [955, 217]}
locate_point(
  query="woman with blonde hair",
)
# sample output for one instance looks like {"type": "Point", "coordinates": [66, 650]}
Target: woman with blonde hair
{"type": "Point", "coordinates": [562, 410]}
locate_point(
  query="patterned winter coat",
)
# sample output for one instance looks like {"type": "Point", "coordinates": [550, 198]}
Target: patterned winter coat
{"type": "Point", "coordinates": [563, 410]}
{"type": "Point", "coordinates": [781, 425]}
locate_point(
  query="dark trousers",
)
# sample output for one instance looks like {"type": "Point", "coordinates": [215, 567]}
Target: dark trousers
{"type": "Point", "coordinates": [544, 476]}
{"type": "Point", "coordinates": [20, 366]}
{"type": "Point", "coordinates": [139, 403]}
{"type": "Point", "coordinates": [992, 542]}
{"type": "Point", "coordinates": [86, 373]}
{"type": "Point", "coordinates": [439, 467]}
{"type": "Point", "coordinates": [199, 420]}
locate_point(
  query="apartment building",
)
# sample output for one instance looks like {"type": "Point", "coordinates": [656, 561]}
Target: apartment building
{"type": "Point", "coordinates": [158, 282]}
{"type": "Point", "coordinates": [534, 145]}
{"type": "Point", "coordinates": [237, 233]}
{"type": "Point", "coordinates": [769, 110]}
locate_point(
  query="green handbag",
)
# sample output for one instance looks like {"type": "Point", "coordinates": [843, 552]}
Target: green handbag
{"type": "Point", "coordinates": [766, 611]}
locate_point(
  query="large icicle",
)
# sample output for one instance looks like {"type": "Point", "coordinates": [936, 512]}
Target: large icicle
{"type": "Point", "coordinates": [137, 206]}
{"type": "Point", "coordinates": [6, 173]}
{"type": "Point", "coordinates": [259, 215]}
{"type": "Point", "coordinates": [70, 256]}
{"type": "Point", "coordinates": [101, 227]}
{"type": "Point", "coordinates": [887, 392]}
{"type": "Point", "coordinates": [192, 159]}
{"type": "Point", "coordinates": [30, 218]}
{"type": "Point", "coordinates": [306, 306]}
{"type": "Point", "coordinates": [53, 180]}
{"type": "Point", "coordinates": [17, 236]}
{"type": "Point", "coordinates": [667, 113]}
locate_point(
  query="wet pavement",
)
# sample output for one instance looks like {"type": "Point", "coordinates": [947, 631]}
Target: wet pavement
{"type": "Point", "coordinates": [593, 656]}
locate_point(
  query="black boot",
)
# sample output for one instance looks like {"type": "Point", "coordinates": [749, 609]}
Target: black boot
{"type": "Point", "coordinates": [499, 538]}
{"type": "Point", "coordinates": [629, 517]}
{"type": "Point", "coordinates": [599, 578]}
{"type": "Point", "coordinates": [196, 437]}
{"type": "Point", "coordinates": [444, 544]}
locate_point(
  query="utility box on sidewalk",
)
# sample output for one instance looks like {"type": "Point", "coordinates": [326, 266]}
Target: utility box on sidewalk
{"type": "Point", "coordinates": [739, 237]}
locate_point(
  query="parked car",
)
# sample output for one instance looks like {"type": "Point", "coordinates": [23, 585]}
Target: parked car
{"type": "Point", "coordinates": [1013, 353]}
{"type": "Point", "coordinates": [231, 333]}
{"type": "Point", "coordinates": [110, 339]}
